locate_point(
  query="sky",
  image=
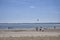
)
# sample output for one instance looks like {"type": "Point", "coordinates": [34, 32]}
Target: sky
{"type": "Point", "coordinates": [28, 11]}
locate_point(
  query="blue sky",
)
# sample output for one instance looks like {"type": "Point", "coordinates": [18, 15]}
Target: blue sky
{"type": "Point", "coordinates": [28, 11]}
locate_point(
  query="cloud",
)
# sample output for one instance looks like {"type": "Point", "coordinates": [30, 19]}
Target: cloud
{"type": "Point", "coordinates": [32, 6]}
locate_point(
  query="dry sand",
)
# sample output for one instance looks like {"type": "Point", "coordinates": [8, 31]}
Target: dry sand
{"type": "Point", "coordinates": [25, 33]}
{"type": "Point", "coordinates": [49, 34]}
{"type": "Point", "coordinates": [30, 38]}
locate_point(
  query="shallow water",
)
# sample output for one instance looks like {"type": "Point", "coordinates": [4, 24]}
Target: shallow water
{"type": "Point", "coordinates": [28, 25]}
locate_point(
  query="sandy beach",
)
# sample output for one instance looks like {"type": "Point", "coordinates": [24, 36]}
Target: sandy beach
{"type": "Point", "coordinates": [29, 33]}
{"type": "Point", "coordinates": [49, 34]}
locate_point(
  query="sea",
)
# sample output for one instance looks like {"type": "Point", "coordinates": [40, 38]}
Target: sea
{"type": "Point", "coordinates": [28, 25]}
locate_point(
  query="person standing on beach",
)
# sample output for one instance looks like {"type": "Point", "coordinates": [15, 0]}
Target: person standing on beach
{"type": "Point", "coordinates": [54, 27]}
{"type": "Point", "coordinates": [36, 28]}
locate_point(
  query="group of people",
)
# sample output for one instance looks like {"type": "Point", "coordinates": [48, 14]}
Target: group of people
{"type": "Point", "coordinates": [42, 29]}
{"type": "Point", "coordinates": [39, 29]}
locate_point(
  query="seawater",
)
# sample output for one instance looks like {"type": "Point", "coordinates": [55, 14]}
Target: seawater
{"type": "Point", "coordinates": [28, 25]}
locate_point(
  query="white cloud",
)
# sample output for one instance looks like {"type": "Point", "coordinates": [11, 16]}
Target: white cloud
{"type": "Point", "coordinates": [32, 6]}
